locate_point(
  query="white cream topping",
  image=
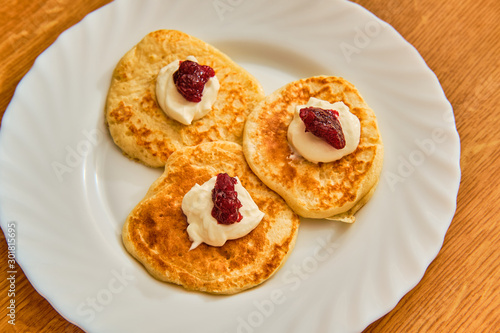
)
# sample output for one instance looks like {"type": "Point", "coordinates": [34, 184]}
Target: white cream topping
{"type": "Point", "coordinates": [174, 104]}
{"type": "Point", "coordinates": [197, 205]}
{"type": "Point", "coordinates": [315, 149]}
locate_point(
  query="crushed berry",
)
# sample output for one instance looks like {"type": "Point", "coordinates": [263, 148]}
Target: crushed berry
{"type": "Point", "coordinates": [190, 79]}
{"type": "Point", "coordinates": [325, 124]}
{"type": "Point", "coordinates": [225, 199]}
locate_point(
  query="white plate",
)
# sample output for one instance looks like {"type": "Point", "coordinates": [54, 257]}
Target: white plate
{"type": "Point", "coordinates": [69, 189]}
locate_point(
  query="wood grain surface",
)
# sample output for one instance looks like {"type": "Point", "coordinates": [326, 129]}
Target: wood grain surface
{"type": "Point", "coordinates": [460, 41]}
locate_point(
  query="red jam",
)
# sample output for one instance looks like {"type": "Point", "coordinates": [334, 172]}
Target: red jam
{"type": "Point", "coordinates": [190, 79]}
{"type": "Point", "coordinates": [225, 199]}
{"type": "Point", "coordinates": [324, 124]}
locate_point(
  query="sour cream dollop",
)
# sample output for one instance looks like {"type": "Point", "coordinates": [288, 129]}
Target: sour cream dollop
{"type": "Point", "coordinates": [197, 205]}
{"type": "Point", "coordinates": [315, 149]}
{"type": "Point", "coordinates": [174, 104]}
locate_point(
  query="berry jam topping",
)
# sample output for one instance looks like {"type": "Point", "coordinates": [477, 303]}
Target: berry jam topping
{"type": "Point", "coordinates": [324, 124]}
{"type": "Point", "coordinates": [190, 79]}
{"type": "Point", "coordinates": [225, 199]}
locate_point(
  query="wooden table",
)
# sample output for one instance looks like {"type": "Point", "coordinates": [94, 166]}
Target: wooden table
{"type": "Point", "coordinates": [460, 41]}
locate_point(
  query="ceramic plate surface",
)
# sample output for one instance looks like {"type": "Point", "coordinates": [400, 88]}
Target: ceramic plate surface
{"type": "Point", "coordinates": [68, 189]}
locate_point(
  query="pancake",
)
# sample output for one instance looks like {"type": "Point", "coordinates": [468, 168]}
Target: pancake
{"type": "Point", "coordinates": [333, 190]}
{"type": "Point", "coordinates": [138, 125]}
{"type": "Point", "coordinates": [155, 231]}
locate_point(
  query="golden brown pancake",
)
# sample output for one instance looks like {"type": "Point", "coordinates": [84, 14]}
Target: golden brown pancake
{"type": "Point", "coordinates": [136, 122]}
{"type": "Point", "coordinates": [155, 231]}
{"type": "Point", "coordinates": [334, 190]}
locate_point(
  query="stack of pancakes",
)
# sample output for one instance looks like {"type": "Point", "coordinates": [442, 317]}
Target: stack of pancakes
{"type": "Point", "coordinates": [244, 135]}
